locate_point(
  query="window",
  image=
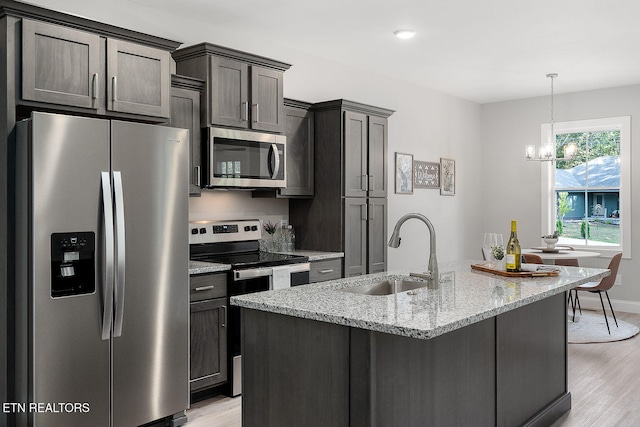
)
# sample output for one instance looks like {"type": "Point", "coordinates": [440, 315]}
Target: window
{"type": "Point", "coordinates": [587, 200]}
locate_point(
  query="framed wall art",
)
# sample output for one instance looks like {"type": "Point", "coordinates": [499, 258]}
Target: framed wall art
{"type": "Point", "coordinates": [447, 177]}
{"type": "Point", "coordinates": [426, 174]}
{"type": "Point", "coordinates": [404, 173]}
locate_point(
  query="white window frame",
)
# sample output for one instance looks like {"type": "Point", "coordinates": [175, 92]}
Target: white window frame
{"type": "Point", "coordinates": [548, 214]}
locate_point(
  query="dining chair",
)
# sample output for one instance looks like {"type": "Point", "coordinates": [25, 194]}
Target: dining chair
{"type": "Point", "coordinates": [570, 262]}
{"type": "Point", "coordinates": [532, 259]}
{"type": "Point", "coordinates": [602, 286]}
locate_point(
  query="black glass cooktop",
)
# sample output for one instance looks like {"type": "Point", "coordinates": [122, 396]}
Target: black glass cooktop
{"type": "Point", "coordinates": [254, 259]}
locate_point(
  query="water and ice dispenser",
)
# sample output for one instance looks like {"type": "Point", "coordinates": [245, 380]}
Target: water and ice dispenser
{"type": "Point", "coordinates": [72, 264]}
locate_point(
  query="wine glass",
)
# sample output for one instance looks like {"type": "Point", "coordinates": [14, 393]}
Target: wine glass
{"type": "Point", "coordinates": [497, 247]}
{"type": "Point", "coordinates": [486, 246]}
{"type": "Point", "coordinates": [498, 241]}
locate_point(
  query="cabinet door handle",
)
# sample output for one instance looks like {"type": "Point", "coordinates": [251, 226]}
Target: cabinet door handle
{"type": "Point", "coordinates": [224, 316]}
{"type": "Point", "coordinates": [372, 215]}
{"type": "Point", "coordinates": [204, 288]}
{"type": "Point", "coordinates": [327, 271]}
{"type": "Point", "coordinates": [256, 118]}
{"type": "Point", "coordinates": [244, 111]}
{"type": "Point", "coordinates": [114, 88]}
{"type": "Point", "coordinates": [372, 182]}
{"type": "Point", "coordinates": [364, 185]}
{"type": "Point", "coordinates": [363, 210]}
{"type": "Point", "coordinates": [197, 172]}
{"type": "Point", "coordinates": [95, 86]}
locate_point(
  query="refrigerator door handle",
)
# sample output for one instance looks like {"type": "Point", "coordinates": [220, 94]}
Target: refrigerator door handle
{"type": "Point", "coordinates": [120, 254]}
{"type": "Point", "coordinates": [107, 286]}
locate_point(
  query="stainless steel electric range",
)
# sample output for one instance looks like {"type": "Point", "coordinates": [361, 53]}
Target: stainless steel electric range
{"type": "Point", "coordinates": [237, 243]}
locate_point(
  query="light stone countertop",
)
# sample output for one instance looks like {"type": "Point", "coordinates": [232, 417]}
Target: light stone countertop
{"type": "Point", "coordinates": [200, 267]}
{"type": "Point", "coordinates": [465, 296]}
{"type": "Point", "coordinates": [315, 255]}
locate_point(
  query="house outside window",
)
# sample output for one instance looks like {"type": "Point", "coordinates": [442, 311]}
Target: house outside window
{"type": "Point", "coordinates": [587, 200]}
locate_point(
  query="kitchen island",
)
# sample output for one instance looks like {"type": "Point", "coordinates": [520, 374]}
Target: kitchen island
{"type": "Point", "coordinates": [480, 350]}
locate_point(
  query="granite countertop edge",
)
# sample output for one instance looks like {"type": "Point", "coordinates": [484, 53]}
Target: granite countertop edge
{"type": "Point", "coordinates": [315, 255]}
{"type": "Point", "coordinates": [201, 267]}
{"type": "Point", "coordinates": [320, 302]}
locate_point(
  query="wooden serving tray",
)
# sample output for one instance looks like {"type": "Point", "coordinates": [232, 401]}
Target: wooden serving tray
{"type": "Point", "coordinates": [489, 269]}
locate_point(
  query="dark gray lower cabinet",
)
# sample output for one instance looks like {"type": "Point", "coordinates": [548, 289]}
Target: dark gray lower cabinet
{"type": "Point", "coordinates": [322, 271]}
{"type": "Point", "coordinates": [508, 370]}
{"type": "Point", "coordinates": [295, 372]}
{"type": "Point", "coordinates": [208, 326]}
{"type": "Point", "coordinates": [531, 353]}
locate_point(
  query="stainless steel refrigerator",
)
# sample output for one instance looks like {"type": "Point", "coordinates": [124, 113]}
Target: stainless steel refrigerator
{"type": "Point", "coordinates": [102, 314]}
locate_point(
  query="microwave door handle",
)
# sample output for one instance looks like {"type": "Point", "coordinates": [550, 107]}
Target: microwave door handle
{"type": "Point", "coordinates": [107, 286]}
{"type": "Point", "coordinates": [276, 155]}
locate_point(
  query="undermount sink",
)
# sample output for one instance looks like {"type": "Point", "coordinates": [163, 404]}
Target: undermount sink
{"type": "Point", "coordinates": [386, 287]}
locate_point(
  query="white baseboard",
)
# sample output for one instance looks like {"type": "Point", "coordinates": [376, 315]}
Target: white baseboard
{"type": "Point", "coordinates": [593, 303]}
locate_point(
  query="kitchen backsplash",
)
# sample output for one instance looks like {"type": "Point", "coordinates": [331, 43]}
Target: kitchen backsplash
{"type": "Point", "coordinates": [225, 205]}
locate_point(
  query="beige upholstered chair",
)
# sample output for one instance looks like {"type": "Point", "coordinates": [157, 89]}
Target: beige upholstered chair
{"type": "Point", "coordinates": [602, 286]}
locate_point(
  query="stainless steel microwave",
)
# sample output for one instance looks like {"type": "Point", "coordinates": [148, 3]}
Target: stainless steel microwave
{"type": "Point", "coordinates": [244, 159]}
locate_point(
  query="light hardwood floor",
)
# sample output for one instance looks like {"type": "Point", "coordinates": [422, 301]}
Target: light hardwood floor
{"type": "Point", "coordinates": [604, 380]}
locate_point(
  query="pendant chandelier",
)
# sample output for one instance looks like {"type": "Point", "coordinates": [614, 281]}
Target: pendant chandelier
{"type": "Point", "coordinates": [546, 152]}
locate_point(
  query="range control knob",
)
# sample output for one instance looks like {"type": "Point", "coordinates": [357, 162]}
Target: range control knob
{"type": "Point", "coordinates": [254, 228]}
{"type": "Point", "coordinates": [203, 230]}
{"type": "Point", "coordinates": [194, 231]}
{"type": "Point", "coordinates": [247, 228]}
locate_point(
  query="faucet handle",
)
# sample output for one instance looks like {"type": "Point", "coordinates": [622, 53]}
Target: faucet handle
{"type": "Point", "coordinates": [425, 275]}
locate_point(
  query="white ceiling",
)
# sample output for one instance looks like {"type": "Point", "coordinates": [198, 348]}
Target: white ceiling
{"type": "Point", "coordinates": [480, 50]}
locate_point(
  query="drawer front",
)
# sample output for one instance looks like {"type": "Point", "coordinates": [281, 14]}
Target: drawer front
{"type": "Point", "coordinates": [325, 270]}
{"type": "Point", "coordinates": [207, 286]}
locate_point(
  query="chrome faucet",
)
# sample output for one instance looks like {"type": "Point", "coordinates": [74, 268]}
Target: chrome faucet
{"type": "Point", "coordinates": [432, 274]}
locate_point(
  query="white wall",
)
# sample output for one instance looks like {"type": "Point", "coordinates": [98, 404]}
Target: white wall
{"type": "Point", "coordinates": [512, 185]}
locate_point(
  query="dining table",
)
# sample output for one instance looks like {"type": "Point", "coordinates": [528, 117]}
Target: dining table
{"type": "Point", "coordinates": [550, 256]}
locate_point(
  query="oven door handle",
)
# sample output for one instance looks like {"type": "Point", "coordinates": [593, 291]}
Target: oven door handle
{"type": "Point", "coordinates": [252, 273]}
{"type": "Point", "coordinates": [299, 268]}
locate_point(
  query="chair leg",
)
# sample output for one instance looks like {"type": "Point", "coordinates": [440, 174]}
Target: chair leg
{"type": "Point", "coordinates": [604, 312]}
{"type": "Point", "coordinates": [573, 303]}
{"type": "Point", "coordinates": [578, 301]}
{"type": "Point", "coordinates": [612, 312]}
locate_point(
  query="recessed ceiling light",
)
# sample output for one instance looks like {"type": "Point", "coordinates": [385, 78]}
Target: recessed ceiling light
{"type": "Point", "coordinates": [404, 34]}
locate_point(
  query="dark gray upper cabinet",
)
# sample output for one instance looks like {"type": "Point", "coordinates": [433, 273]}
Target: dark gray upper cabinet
{"type": "Point", "coordinates": [299, 155]}
{"type": "Point", "coordinates": [355, 154]}
{"type": "Point", "coordinates": [185, 113]}
{"type": "Point", "coordinates": [61, 65]}
{"type": "Point", "coordinates": [245, 90]}
{"type": "Point", "coordinates": [267, 100]}
{"type": "Point", "coordinates": [139, 78]}
{"type": "Point", "coordinates": [229, 86]}
{"type": "Point", "coordinates": [377, 156]}
{"type": "Point", "coordinates": [81, 70]}
{"type": "Point", "coordinates": [365, 155]}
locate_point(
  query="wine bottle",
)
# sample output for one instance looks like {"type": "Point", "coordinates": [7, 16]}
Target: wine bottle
{"type": "Point", "coordinates": [513, 261]}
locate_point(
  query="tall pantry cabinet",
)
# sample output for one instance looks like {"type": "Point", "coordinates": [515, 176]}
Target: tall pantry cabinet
{"type": "Point", "coordinates": [349, 210]}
